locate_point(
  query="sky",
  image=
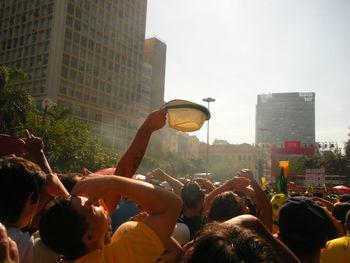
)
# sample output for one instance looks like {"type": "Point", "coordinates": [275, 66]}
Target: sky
{"type": "Point", "coordinates": [233, 50]}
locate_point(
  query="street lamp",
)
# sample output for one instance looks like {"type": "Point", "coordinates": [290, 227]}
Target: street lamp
{"type": "Point", "coordinates": [208, 100]}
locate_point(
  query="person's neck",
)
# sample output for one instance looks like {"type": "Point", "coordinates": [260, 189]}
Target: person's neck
{"type": "Point", "coordinates": [191, 212]}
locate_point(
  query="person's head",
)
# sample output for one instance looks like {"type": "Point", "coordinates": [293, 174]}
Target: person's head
{"type": "Point", "coordinates": [20, 185]}
{"type": "Point", "coordinates": [344, 198]}
{"type": "Point", "coordinates": [225, 243]}
{"type": "Point", "coordinates": [71, 227]}
{"type": "Point", "coordinates": [69, 180]}
{"type": "Point", "coordinates": [192, 195]}
{"type": "Point", "coordinates": [318, 194]}
{"type": "Point", "coordinates": [304, 226]}
{"type": "Point", "coordinates": [340, 210]}
{"type": "Point", "coordinates": [347, 222]}
{"type": "Point", "coordinates": [225, 206]}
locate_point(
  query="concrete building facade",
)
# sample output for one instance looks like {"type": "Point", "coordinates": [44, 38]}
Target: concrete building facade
{"type": "Point", "coordinates": [155, 55]}
{"type": "Point", "coordinates": [282, 117]}
{"type": "Point", "coordinates": [83, 54]}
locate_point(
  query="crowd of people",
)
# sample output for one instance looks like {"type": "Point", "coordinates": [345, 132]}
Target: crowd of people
{"type": "Point", "coordinates": [49, 217]}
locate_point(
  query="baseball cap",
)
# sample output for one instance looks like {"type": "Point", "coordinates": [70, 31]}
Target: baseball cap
{"type": "Point", "coordinates": [304, 222]}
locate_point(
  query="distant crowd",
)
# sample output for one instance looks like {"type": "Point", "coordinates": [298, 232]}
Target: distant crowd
{"type": "Point", "coordinates": [105, 218]}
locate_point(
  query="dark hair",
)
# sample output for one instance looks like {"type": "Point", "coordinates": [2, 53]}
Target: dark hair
{"type": "Point", "coordinates": [248, 202]}
{"type": "Point", "coordinates": [340, 210]}
{"type": "Point", "coordinates": [62, 229]}
{"type": "Point", "coordinates": [305, 226]}
{"type": "Point", "coordinates": [18, 179]}
{"type": "Point", "coordinates": [225, 206]}
{"type": "Point", "coordinates": [192, 194]}
{"type": "Point", "coordinates": [344, 198]}
{"type": "Point", "coordinates": [318, 194]}
{"type": "Point", "coordinates": [69, 180]}
{"type": "Point", "coordinates": [347, 222]}
{"type": "Point", "coordinates": [226, 243]}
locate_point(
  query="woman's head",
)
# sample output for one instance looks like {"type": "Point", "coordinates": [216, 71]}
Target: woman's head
{"type": "Point", "coordinates": [225, 206]}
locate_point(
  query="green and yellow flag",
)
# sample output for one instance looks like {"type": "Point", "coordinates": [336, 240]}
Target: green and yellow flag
{"type": "Point", "coordinates": [282, 180]}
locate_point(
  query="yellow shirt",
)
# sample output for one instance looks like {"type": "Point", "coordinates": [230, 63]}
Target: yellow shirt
{"type": "Point", "coordinates": [336, 250]}
{"type": "Point", "coordinates": [139, 245]}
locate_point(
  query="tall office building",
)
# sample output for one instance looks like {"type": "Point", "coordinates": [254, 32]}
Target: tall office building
{"type": "Point", "coordinates": [85, 54]}
{"type": "Point", "coordinates": [282, 117]}
{"type": "Point", "coordinates": [155, 55]}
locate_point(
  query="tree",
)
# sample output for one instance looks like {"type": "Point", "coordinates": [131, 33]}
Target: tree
{"type": "Point", "coordinates": [334, 162]}
{"type": "Point", "coordinates": [59, 113]}
{"type": "Point", "coordinates": [69, 145]}
{"type": "Point", "coordinates": [14, 103]}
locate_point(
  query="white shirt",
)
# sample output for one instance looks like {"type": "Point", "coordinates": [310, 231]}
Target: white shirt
{"type": "Point", "coordinates": [31, 250]}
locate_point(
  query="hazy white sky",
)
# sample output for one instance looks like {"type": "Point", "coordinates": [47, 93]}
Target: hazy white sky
{"type": "Point", "coordinates": [232, 50]}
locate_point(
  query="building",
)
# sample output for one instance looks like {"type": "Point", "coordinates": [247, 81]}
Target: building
{"type": "Point", "coordinates": [84, 54]}
{"type": "Point", "coordinates": [155, 55]}
{"type": "Point", "coordinates": [226, 159]}
{"type": "Point", "coordinates": [282, 117]}
{"type": "Point", "coordinates": [152, 92]}
{"type": "Point", "coordinates": [145, 104]}
{"type": "Point", "coordinates": [289, 152]}
{"type": "Point", "coordinates": [317, 178]}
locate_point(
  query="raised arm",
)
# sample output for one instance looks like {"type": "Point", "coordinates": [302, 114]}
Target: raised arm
{"type": "Point", "coordinates": [234, 183]}
{"type": "Point", "coordinates": [205, 184]}
{"type": "Point", "coordinates": [34, 147]}
{"type": "Point", "coordinates": [160, 175]}
{"type": "Point", "coordinates": [132, 158]}
{"type": "Point", "coordinates": [263, 204]}
{"type": "Point", "coordinates": [163, 206]}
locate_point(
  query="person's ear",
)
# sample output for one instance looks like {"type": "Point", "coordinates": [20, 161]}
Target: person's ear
{"type": "Point", "coordinates": [89, 239]}
{"type": "Point", "coordinates": [28, 210]}
{"type": "Point", "coordinates": [29, 203]}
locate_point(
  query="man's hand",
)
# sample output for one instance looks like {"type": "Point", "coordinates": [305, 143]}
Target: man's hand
{"type": "Point", "coordinates": [155, 120]}
{"type": "Point", "coordinates": [205, 183]}
{"type": "Point", "coordinates": [8, 248]}
{"type": "Point", "coordinates": [246, 173]}
{"type": "Point", "coordinates": [238, 183]}
{"type": "Point", "coordinates": [33, 144]}
{"type": "Point", "coordinates": [157, 174]}
{"type": "Point", "coordinates": [93, 186]}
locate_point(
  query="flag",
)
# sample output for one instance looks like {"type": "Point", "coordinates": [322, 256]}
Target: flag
{"type": "Point", "coordinates": [263, 183]}
{"type": "Point", "coordinates": [324, 188]}
{"type": "Point", "coordinates": [282, 180]}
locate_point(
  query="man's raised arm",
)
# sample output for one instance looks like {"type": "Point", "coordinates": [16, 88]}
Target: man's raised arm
{"type": "Point", "coordinates": [132, 158]}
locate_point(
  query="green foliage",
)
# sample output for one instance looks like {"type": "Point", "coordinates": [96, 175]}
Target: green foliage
{"type": "Point", "coordinates": [69, 146]}
{"type": "Point", "coordinates": [223, 167]}
{"type": "Point", "coordinates": [14, 103]}
{"type": "Point", "coordinates": [59, 113]}
{"type": "Point", "coordinates": [334, 162]}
